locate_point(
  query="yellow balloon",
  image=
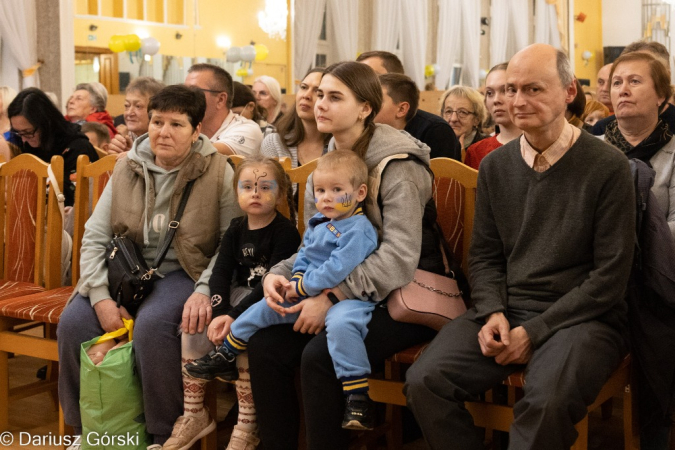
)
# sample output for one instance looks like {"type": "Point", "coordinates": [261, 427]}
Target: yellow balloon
{"type": "Point", "coordinates": [116, 43]}
{"type": "Point", "coordinates": [429, 70]}
{"type": "Point", "coordinates": [242, 72]}
{"type": "Point", "coordinates": [261, 52]}
{"type": "Point", "coordinates": [132, 43]}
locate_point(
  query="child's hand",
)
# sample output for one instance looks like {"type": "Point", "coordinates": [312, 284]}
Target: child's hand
{"type": "Point", "coordinates": [219, 328]}
{"type": "Point", "coordinates": [276, 307]}
{"type": "Point", "coordinates": [292, 293]}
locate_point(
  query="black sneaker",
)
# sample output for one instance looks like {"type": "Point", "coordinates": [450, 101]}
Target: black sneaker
{"type": "Point", "coordinates": [359, 412]}
{"type": "Point", "coordinates": [214, 365]}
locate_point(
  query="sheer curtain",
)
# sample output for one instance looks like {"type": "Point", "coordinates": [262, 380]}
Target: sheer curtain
{"type": "Point", "coordinates": [18, 29]}
{"type": "Point", "coordinates": [386, 24]}
{"type": "Point", "coordinates": [470, 42]}
{"type": "Point", "coordinates": [546, 23]}
{"type": "Point", "coordinates": [414, 39]}
{"type": "Point", "coordinates": [308, 20]}
{"type": "Point", "coordinates": [344, 16]}
{"type": "Point", "coordinates": [507, 34]}
{"type": "Point", "coordinates": [448, 49]}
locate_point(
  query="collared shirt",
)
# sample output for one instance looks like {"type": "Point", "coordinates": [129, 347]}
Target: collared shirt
{"type": "Point", "coordinates": [243, 136]}
{"type": "Point", "coordinates": [557, 150]}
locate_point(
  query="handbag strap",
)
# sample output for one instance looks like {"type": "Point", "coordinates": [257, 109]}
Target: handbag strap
{"type": "Point", "coordinates": [173, 226]}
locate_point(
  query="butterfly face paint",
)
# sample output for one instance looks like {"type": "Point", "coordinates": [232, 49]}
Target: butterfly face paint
{"type": "Point", "coordinates": [257, 191]}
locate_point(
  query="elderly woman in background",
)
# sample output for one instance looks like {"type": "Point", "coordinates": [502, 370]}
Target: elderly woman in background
{"type": "Point", "coordinates": [88, 103]}
{"type": "Point", "coordinates": [462, 107]}
{"type": "Point", "coordinates": [140, 202]}
{"type": "Point", "coordinates": [639, 88]}
{"type": "Point", "coordinates": [44, 133]}
{"type": "Point", "coordinates": [137, 97]}
{"type": "Point", "coordinates": [267, 93]}
{"type": "Point", "coordinates": [495, 101]}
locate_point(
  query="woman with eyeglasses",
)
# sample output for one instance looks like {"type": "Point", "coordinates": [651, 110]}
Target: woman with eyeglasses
{"type": "Point", "coordinates": [44, 132]}
{"type": "Point", "coordinates": [462, 107]}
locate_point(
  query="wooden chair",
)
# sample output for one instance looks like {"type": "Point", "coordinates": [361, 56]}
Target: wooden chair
{"type": "Point", "coordinates": [29, 258]}
{"type": "Point", "coordinates": [46, 307]}
{"type": "Point", "coordinates": [455, 196]}
{"type": "Point", "coordinates": [101, 153]}
{"type": "Point", "coordinates": [299, 175]}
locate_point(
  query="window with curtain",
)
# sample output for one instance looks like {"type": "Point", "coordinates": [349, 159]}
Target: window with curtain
{"type": "Point", "coordinates": [656, 15]}
{"type": "Point", "coordinates": [168, 12]}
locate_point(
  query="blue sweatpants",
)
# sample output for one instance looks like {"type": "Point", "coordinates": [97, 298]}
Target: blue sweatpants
{"type": "Point", "coordinates": [346, 328]}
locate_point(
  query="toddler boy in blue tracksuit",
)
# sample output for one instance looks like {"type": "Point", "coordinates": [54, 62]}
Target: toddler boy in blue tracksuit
{"type": "Point", "coordinates": [338, 238]}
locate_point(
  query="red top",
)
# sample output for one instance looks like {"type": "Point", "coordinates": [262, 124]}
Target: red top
{"type": "Point", "coordinates": [476, 152]}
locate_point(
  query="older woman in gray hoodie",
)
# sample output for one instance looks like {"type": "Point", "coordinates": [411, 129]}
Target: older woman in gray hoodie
{"type": "Point", "coordinates": [350, 96]}
{"type": "Point", "coordinates": [139, 202]}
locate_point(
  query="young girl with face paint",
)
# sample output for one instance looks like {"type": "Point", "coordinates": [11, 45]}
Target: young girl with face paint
{"type": "Point", "coordinates": [251, 245]}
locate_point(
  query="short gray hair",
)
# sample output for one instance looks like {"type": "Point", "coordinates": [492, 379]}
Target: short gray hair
{"type": "Point", "coordinates": [98, 94]}
{"type": "Point", "coordinates": [564, 68]}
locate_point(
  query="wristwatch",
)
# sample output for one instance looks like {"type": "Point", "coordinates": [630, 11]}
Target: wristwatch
{"type": "Point", "coordinates": [333, 298]}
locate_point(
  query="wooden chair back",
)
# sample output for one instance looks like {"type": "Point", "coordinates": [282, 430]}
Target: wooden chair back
{"type": "Point", "coordinates": [30, 225]}
{"type": "Point", "coordinates": [101, 153]}
{"type": "Point", "coordinates": [455, 196]}
{"type": "Point", "coordinates": [91, 179]}
{"type": "Point", "coordinates": [299, 175]}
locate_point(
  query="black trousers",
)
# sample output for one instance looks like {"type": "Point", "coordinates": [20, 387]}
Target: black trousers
{"type": "Point", "coordinates": [564, 376]}
{"type": "Point", "coordinates": [274, 355]}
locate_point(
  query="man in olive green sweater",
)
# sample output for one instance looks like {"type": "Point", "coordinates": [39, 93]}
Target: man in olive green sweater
{"type": "Point", "coordinates": [549, 263]}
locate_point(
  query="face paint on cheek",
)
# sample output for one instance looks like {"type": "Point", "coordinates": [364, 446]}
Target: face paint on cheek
{"type": "Point", "coordinates": [268, 197]}
{"type": "Point", "coordinates": [344, 203]}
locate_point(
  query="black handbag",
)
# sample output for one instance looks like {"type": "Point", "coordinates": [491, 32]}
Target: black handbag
{"type": "Point", "coordinates": [130, 281]}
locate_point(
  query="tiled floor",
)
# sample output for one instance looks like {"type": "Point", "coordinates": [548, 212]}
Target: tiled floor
{"type": "Point", "coordinates": [37, 416]}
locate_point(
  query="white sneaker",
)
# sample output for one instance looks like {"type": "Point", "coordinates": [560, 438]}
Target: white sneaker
{"type": "Point", "coordinates": [154, 447]}
{"type": "Point", "coordinates": [242, 440]}
{"type": "Point", "coordinates": [189, 429]}
{"type": "Point", "coordinates": [77, 444]}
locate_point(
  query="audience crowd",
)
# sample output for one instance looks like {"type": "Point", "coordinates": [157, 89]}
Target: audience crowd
{"type": "Point", "coordinates": [550, 260]}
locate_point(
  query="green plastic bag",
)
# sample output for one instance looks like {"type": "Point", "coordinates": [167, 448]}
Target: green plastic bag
{"type": "Point", "coordinates": [111, 400]}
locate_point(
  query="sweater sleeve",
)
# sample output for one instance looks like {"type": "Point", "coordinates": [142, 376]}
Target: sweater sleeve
{"type": "Point", "coordinates": [405, 189]}
{"type": "Point", "coordinates": [221, 276]}
{"type": "Point", "coordinates": [613, 245]}
{"type": "Point", "coordinates": [487, 262]}
{"type": "Point", "coordinates": [352, 249]}
{"type": "Point", "coordinates": [97, 234]}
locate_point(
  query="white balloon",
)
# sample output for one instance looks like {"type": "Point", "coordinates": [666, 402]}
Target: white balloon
{"type": "Point", "coordinates": [248, 53]}
{"type": "Point", "coordinates": [149, 46]}
{"type": "Point", "coordinates": [233, 54]}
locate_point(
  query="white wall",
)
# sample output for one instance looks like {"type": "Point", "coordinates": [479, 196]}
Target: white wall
{"type": "Point", "coordinates": [621, 22]}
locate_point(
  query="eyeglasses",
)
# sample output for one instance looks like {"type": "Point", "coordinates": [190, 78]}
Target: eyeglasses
{"type": "Point", "coordinates": [209, 90]}
{"type": "Point", "coordinates": [25, 134]}
{"type": "Point", "coordinates": [461, 113]}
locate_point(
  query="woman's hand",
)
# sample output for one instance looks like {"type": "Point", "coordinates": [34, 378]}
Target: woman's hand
{"type": "Point", "coordinates": [196, 313]}
{"type": "Point", "coordinates": [313, 312]}
{"type": "Point", "coordinates": [109, 315]}
{"type": "Point", "coordinates": [219, 328]}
